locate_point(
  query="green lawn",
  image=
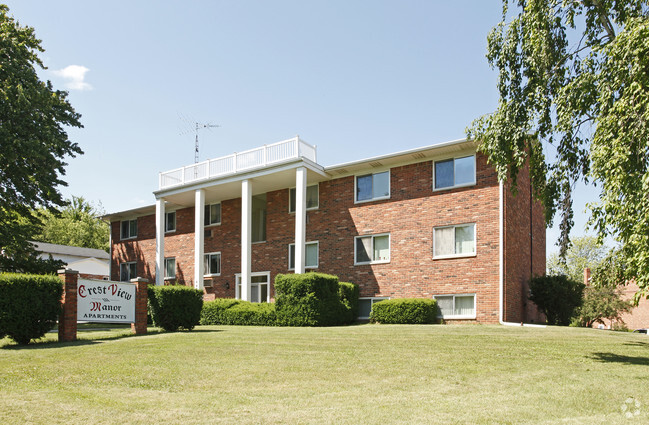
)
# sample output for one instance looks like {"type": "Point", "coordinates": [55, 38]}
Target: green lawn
{"type": "Point", "coordinates": [356, 374]}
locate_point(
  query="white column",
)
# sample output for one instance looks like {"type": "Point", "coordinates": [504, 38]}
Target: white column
{"type": "Point", "coordinates": [199, 238]}
{"type": "Point", "coordinates": [246, 238]}
{"type": "Point", "coordinates": [300, 219]}
{"type": "Point", "coordinates": [159, 241]}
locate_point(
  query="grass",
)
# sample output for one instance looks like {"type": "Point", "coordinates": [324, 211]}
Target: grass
{"type": "Point", "coordinates": [355, 374]}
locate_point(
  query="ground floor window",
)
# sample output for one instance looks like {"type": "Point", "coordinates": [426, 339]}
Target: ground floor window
{"type": "Point", "coordinates": [127, 271]}
{"type": "Point", "coordinates": [212, 264]}
{"type": "Point", "coordinates": [365, 305]}
{"type": "Point", "coordinates": [311, 255]}
{"type": "Point", "coordinates": [460, 306]}
{"type": "Point", "coordinates": [259, 287]}
{"type": "Point", "coordinates": [170, 268]}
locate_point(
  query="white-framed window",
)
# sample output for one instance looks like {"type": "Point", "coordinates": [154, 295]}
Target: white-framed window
{"type": "Point", "coordinates": [212, 264]}
{"type": "Point", "coordinates": [170, 221]}
{"type": "Point", "coordinates": [259, 287]}
{"type": "Point", "coordinates": [312, 200]}
{"type": "Point", "coordinates": [365, 305]}
{"type": "Point", "coordinates": [212, 214]}
{"type": "Point", "coordinates": [129, 229]}
{"type": "Point", "coordinates": [454, 241]}
{"type": "Point", "coordinates": [127, 271]}
{"type": "Point", "coordinates": [454, 172]}
{"type": "Point", "coordinates": [372, 187]}
{"type": "Point", "coordinates": [456, 306]}
{"type": "Point", "coordinates": [372, 249]}
{"type": "Point", "coordinates": [170, 268]}
{"type": "Point", "coordinates": [311, 254]}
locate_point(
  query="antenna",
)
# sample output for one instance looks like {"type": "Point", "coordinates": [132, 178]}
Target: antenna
{"type": "Point", "coordinates": [200, 126]}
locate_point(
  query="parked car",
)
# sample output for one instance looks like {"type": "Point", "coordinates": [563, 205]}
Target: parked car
{"type": "Point", "coordinates": [642, 331]}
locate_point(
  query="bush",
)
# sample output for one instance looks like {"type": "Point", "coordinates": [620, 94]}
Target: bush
{"type": "Point", "coordinates": [228, 311]}
{"type": "Point", "coordinates": [348, 294]}
{"type": "Point", "coordinates": [309, 299]}
{"type": "Point", "coordinates": [174, 307]}
{"type": "Point", "coordinates": [557, 297]}
{"type": "Point", "coordinates": [404, 311]}
{"type": "Point", "coordinates": [30, 305]}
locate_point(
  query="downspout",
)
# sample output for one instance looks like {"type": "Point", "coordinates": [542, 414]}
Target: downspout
{"type": "Point", "coordinates": [110, 250]}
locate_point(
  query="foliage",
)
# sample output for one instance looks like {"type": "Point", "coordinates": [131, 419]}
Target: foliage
{"type": "Point", "coordinates": [310, 299]}
{"type": "Point", "coordinates": [602, 302]}
{"type": "Point", "coordinates": [30, 305]}
{"type": "Point", "coordinates": [174, 307]}
{"type": "Point", "coordinates": [33, 140]}
{"type": "Point", "coordinates": [78, 223]}
{"type": "Point", "coordinates": [348, 294]}
{"type": "Point", "coordinates": [584, 252]}
{"type": "Point", "coordinates": [557, 297]}
{"type": "Point", "coordinates": [574, 105]}
{"type": "Point", "coordinates": [411, 311]}
{"type": "Point", "coordinates": [227, 311]}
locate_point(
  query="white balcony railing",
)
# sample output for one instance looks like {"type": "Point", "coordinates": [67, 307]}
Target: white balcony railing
{"type": "Point", "coordinates": [238, 162]}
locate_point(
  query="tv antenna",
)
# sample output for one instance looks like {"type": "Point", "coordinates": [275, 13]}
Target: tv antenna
{"type": "Point", "coordinates": [200, 126]}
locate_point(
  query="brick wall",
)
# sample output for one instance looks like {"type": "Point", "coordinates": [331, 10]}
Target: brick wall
{"type": "Point", "coordinates": [409, 216]}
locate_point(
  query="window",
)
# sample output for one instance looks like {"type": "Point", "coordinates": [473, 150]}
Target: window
{"type": "Point", "coordinates": [212, 264]}
{"type": "Point", "coordinates": [372, 249]}
{"type": "Point", "coordinates": [311, 198]}
{"type": "Point", "coordinates": [454, 241]}
{"type": "Point", "coordinates": [456, 306]}
{"type": "Point", "coordinates": [311, 261]}
{"type": "Point", "coordinates": [129, 229]}
{"type": "Point", "coordinates": [365, 306]}
{"type": "Point", "coordinates": [170, 268]}
{"type": "Point", "coordinates": [454, 172]}
{"type": "Point", "coordinates": [373, 186]}
{"type": "Point", "coordinates": [258, 218]}
{"type": "Point", "coordinates": [212, 214]}
{"type": "Point", "coordinates": [170, 221]}
{"type": "Point", "coordinates": [127, 271]}
{"type": "Point", "coordinates": [259, 289]}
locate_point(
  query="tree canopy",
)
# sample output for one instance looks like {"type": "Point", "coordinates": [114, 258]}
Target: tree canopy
{"type": "Point", "coordinates": [33, 138]}
{"type": "Point", "coordinates": [584, 251]}
{"type": "Point", "coordinates": [574, 106]}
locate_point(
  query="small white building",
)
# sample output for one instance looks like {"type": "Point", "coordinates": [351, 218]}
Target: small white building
{"type": "Point", "coordinates": [89, 262]}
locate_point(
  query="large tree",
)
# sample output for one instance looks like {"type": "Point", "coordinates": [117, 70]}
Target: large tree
{"type": "Point", "coordinates": [33, 138]}
{"type": "Point", "coordinates": [574, 105]}
{"type": "Point", "coordinates": [584, 252]}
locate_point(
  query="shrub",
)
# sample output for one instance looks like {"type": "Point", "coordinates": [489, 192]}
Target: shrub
{"type": "Point", "coordinates": [174, 307]}
{"type": "Point", "coordinates": [29, 305]}
{"type": "Point", "coordinates": [348, 294]}
{"type": "Point", "coordinates": [309, 299]}
{"type": "Point", "coordinates": [251, 314]}
{"type": "Point", "coordinates": [213, 312]}
{"type": "Point", "coordinates": [404, 311]}
{"type": "Point", "coordinates": [557, 297]}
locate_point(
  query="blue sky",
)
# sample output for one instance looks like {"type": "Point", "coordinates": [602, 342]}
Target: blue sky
{"type": "Point", "coordinates": [355, 78]}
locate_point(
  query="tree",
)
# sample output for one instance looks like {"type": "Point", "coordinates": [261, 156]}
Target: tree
{"type": "Point", "coordinates": [78, 223]}
{"type": "Point", "coordinates": [602, 302]}
{"type": "Point", "coordinates": [33, 140]}
{"type": "Point", "coordinates": [557, 297]}
{"type": "Point", "coordinates": [574, 105]}
{"type": "Point", "coordinates": [584, 252]}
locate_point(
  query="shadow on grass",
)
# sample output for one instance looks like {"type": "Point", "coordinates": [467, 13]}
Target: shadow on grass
{"type": "Point", "coordinates": [617, 358]}
{"type": "Point", "coordinates": [637, 344]}
{"type": "Point", "coordinates": [38, 344]}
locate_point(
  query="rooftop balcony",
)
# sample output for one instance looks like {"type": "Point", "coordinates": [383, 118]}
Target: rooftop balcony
{"type": "Point", "coordinates": [249, 160]}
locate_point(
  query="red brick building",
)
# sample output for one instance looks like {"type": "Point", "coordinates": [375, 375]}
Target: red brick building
{"type": "Point", "coordinates": [431, 222]}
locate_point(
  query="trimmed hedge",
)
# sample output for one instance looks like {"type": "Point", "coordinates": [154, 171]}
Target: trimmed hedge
{"type": "Point", "coordinates": [30, 305]}
{"type": "Point", "coordinates": [309, 299]}
{"type": "Point", "coordinates": [227, 311]}
{"type": "Point", "coordinates": [174, 307]}
{"type": "Point", "coordinates": [348, 294]}
{"type": "Point", "coordinates": [404, 311]}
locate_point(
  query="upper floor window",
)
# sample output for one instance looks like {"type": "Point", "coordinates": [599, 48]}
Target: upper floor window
{"type": "Point", "coordinates": [311, 256]}
{"type": "Point", "coordinates": [129, 229]}
{"type": "Point", "coordinates": [170, 221]}
{"type": "Point", "coordinates": [170, 268]}
{"type": "Point", "coordinates": [454, 241]}
{"type": "Point", "coordinates": [372, 249]}
{"type": "Point", "coordinates": [370, 187]}
{"type": "Point", "coordinates": [212, 264]}
{"type": "Point", "coordinates": [212, 214]}
{"type": "Point", "coordinates": [454, 172]}
{"type": "Point", "coordinates": [127, 271]}
{"type": "Point", "coordinates": [311, 198]}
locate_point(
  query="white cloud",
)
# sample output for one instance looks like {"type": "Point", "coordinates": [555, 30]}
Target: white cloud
{"type": "Point", "coordinates": [74, 74]}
